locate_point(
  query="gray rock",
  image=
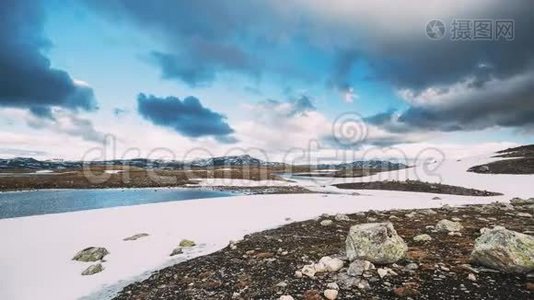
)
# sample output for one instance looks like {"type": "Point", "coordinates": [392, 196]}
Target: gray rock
{"type": "Point", "coordinates": [342, 217]}
{"type": "Point", "coordinates": [93, 269]}
{"type": "Point", "coordinates": [504, 250]}
{"type": "Point", "coordinates": [330, 294]}
{"type": "Point", "coordinates": [187, 243]}
{"type": "Point", "coordinates": [422, 238]}
{"type": "Point", "coordinates": [375, 242]}
{"type": "Point", "coordinates": [327, 222]}
{"type": "Point", "coordinates": [91, 254]}
{"type": "Point", "coordinates": [357, 267]}
{"type": "Point", "coordinates": [136, 236]}
{"type": "Point", "coordinates": [519, 201]}
{"type": "Point", "coordinates": [177, 251]}
{"type": "Point", "coordinates": [448, 226]}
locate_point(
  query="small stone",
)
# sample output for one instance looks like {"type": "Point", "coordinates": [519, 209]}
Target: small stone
{"type": "Point", "coordinates": [281, 284]}
{"type": "Point", "coordinates": [341, 217]}
{"type": "Point", "coordinates": [93, 269]}
{"type": "Point", "coordinates": [412, 266]}
{"type": "Point", "coordinates": [357, 267]}
{"type": "Point", "coordinates": [330, 294]}
{"type": "Point", "coordinates": [308, 270]}
{"type": "Point", "coordinates": [454, 233]}
{"type": "Point", "coordinates": [472, 277]}
{"type": "Point", "coordinates": [448, 226]}
{"type": "Point", "coordinates": [136, 236]}
{"type": "Point", "coordinates": [422, 238]}
{"type": "Point", "coordinates": [362, 284]}
{"type": "Point", "coordinates": [298, 274]}
{"type": "Point", "coordinates": [332, 286]}
{"type": "Point", "coordinates": [524, 214]}
{"type": "Point", "coordinates": [382, 272]}
{"type": "Point", "coordinates": [456, 219]}
{"type": "Point", "coordinates": [176, 251]}
{"type": "Point", "coordinates": [328, 264]}
{"type": "Point", "coordinates": [91, 254]}
{"type": "Point", "coordinates": [187, 243]}
{"type": "Point", "coordinates": [327, 222]}
{"type": "Point", "coordinates": [286, 297]}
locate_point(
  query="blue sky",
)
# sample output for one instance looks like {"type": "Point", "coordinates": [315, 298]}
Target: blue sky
{"type": "Point", "coordinates": [247, 65]}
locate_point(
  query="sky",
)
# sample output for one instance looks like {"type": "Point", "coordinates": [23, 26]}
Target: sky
{"type": "Point", "coordinates": [277, 79]}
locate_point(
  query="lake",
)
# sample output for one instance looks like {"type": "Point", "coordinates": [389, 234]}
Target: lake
{"type": "Point", "coordinates": [40, 202]}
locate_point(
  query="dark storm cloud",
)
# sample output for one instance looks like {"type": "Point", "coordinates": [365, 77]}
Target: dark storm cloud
{"type": "Point", "coordinates": [504, 103]}
{"type": "Point", "coordinates": [26, 77]}
{"type": "Point", "coordinates": [187, 117]}
{"type": "Point", "coordinates": [203, 37]}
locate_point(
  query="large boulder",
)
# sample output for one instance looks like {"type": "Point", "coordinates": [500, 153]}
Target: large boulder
{"type": "Point", "coordinates": [504, 250]}
{"type": "Point", "coordinates": [376, 242]}
{"type": "Point", "coordinates": [91, 254]}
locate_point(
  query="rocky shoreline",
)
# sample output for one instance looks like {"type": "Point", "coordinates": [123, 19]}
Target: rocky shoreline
{"type": "Point", "coordinates": [308, 260]}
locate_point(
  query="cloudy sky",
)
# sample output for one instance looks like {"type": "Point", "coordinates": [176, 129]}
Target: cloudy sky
{"type": "Point", "coordinates": [197, 78]}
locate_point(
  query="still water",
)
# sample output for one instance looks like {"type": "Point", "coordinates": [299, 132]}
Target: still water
{"type": "Point", "coordinates": [40, 202]}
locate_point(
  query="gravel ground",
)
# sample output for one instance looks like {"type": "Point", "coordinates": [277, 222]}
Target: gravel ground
{"type": "Point", "coordinates": [263, 265]}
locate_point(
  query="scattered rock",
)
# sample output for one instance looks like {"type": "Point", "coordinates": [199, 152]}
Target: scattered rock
{"type": "Point", "coordinates": [332, 286]}
{"type": "Point", "coordinates": [308, 270]}
{"type": "Point", "coordinates": [448, 226]}
{"type": "Point", "coordinates": [357, 267]}
{"type": "Point", "coordinates": [505, 250]}
{"type": "Point", "coordinates": [472, 277]}
{"type": "Point", "coordinates": [422, 238]}
{"type": "Point", "coordinates": [330, 264]}
{"type": "Point", "coordinates": [298, 274]}
{"type": "Point", "coordinates": [362, 284]}
{"type": "Point", "coordinates": [436, 198]}
{"type": "Point", "coordinates": [412, 266]}
{"type": "Point", "coordinates": [187, 243]}
{"type": "Point", "coordinates": [93, 269]}
{"type": "Point", "coordinates": [523, 214]}
{"type": "Point", "coordinates": [330, 294]}
{"type": "Point", "coordinates": [342, 217]}
{"type": "Point", "coordinates": [136, 236]}
{"type": "Point", "coordinates": [177, 251]}
{"type": "Point", "coordinates": [519, 201]}
{"type": "Point", "coordinates": [327, 222]}
{"type": "Point", "coordinates": [91, 254]}
{"type": "Point", "coordinates": [382, 272]}
{"type": "Point", "coordinates": [286, 297]}
{"type": "Point", "coordinates": [375, 242]}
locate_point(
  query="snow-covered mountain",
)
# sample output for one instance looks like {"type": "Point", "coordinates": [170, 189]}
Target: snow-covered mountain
{"type": "Point", "coordinates": [222, 161]}
{"type": "Point", "coordinates": [230, 161]}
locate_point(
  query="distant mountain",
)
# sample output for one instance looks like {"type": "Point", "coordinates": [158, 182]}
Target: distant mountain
{"type": "Point", "coordinates": [230, 161]}
{"type": "Point", "coordinates": [222, 161]}
{"type": "Point", "coordinates": [33, 164]}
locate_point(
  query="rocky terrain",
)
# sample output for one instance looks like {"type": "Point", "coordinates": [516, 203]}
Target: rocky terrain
{"type": "Point", "coordinates": [444, 253]}
{"type": "Point", "coordinates": [415, 186]}
{"type": "Point", "coordinates": [519, 160]}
